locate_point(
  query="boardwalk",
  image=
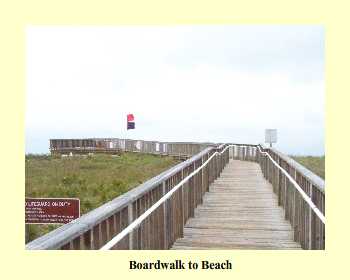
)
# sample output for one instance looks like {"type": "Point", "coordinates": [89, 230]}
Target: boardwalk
{"type": "Point", "coordinates": [228, 202]}
{"type": "Point", "coordinates": [240, 211]}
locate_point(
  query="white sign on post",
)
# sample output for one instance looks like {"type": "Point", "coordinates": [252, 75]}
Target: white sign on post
{"type": "Point", "coordinates": [270, 136]}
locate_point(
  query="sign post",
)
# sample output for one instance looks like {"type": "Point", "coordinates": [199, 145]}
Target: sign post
{"type": "Point", "coordinates": [270, 136]}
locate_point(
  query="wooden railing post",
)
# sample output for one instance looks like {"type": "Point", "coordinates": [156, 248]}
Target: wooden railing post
{"type": "Point", "coordinates": [279, 184]}
{"type": "Point", "coordinates": [130, 220]}
{"type": "Point", "coordinates": [182, 203]}
{"type": "Point", "coordinates": [164, 209]}
{"type": "Point", "coordinates": [200, 189]}
{"type": "Point", "coordinates": [310, 220]}
{"type": "Point", "coordinates": [218, 157]}
{"type": "Point", "coordinates": [294, 212]}
{"type": "Point", "coordinates": [286, 203]}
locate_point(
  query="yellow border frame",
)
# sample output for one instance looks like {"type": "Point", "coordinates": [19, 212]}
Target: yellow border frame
{"type": "Point", "coordinates": [16, 15]}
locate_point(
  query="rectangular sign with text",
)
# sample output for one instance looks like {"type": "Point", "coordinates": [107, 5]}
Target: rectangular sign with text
{"type": "Point", "coordinates": [51, 210]}
{"type": "Point", "coordinates": [270, 135]}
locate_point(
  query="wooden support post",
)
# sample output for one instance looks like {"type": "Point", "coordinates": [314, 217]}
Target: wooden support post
{"type": "Point", "coordinates": [285, 197]}
{"type": "Point", "coordinates": [130, 220]}
{"type": "Point", "coordinates": [182, 200]}
{"type": "Point", "coordinates": [202, 181]}
{"type": "Point", "coordinates": [164, 207]}
{"type": "Point", "coordinates": [310, 220]}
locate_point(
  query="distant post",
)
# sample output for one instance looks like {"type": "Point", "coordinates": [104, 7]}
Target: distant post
{"type": "Point", "coordinates": [270, 136]}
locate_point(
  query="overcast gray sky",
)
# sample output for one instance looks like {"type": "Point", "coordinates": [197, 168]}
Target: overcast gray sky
{"type": "Point", "coordinates": [182, 83]}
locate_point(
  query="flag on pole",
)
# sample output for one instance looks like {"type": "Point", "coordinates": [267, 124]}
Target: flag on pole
{"type": "Point", "coordinates": [130, 117]}
{"type": "Point", "coordinates": [130, 121]}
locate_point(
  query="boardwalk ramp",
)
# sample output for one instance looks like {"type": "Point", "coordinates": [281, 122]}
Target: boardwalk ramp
{"type": "Point", "coordinates": [240, 211]}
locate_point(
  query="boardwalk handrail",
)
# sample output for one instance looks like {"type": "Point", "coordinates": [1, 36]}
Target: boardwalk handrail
{"type": "Point", "coordinates": [97, 227]}
{"type": "Point", "coordinates": [312, 185]}
{"type": "Point", "coordinates": [309, 227]}
{"type": "Point", "coordinates": [299, 189]}
{"type": "Point", "coordinates": [153, 215]}
{"type": "Point", "coordinates": [140, 219]}
{"type": "Point", "coordinates": [312, 177]}
{"type": "Point", "coordinates": [115, 145]}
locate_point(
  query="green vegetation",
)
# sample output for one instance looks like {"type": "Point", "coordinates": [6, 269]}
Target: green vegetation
{"type": "Point", "coordinates": [315, 164]}
{"type": "Point", "coordinates": [93, 179]}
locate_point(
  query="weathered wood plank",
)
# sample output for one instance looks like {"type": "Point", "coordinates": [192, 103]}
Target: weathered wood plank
{"type": "Point", "coordinates": [240, 211]}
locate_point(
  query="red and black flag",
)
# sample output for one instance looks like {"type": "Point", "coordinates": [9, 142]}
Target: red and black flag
{"type": "Point", "coordinates": [130, 121]}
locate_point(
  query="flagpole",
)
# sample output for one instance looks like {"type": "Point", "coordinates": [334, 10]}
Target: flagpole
{"type": "Point", "coordinates": [126, 132]}
{"type": "Point", "coordinates": [130, 123]}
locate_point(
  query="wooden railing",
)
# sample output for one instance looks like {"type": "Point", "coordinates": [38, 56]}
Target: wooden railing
{"type": "Point", "coordinates": [299, 191]}
{"type": "Point", "coordinates": [108, 145]}
{"type": "Point", "coordinates": [160, 229]}
{"type": "Point", "coordinates": [308, 222]}
{"type": "Point", "coordinates": [294, 192]}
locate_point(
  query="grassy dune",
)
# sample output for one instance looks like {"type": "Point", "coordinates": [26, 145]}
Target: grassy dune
{"type": "Point", "coordinates": [93, 179]}
{"type": "Point", "coordinates": [315, 164]}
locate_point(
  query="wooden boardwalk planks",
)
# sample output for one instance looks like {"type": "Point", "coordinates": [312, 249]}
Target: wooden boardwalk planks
{"type": "Point", "coordinates": [240, 211]}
